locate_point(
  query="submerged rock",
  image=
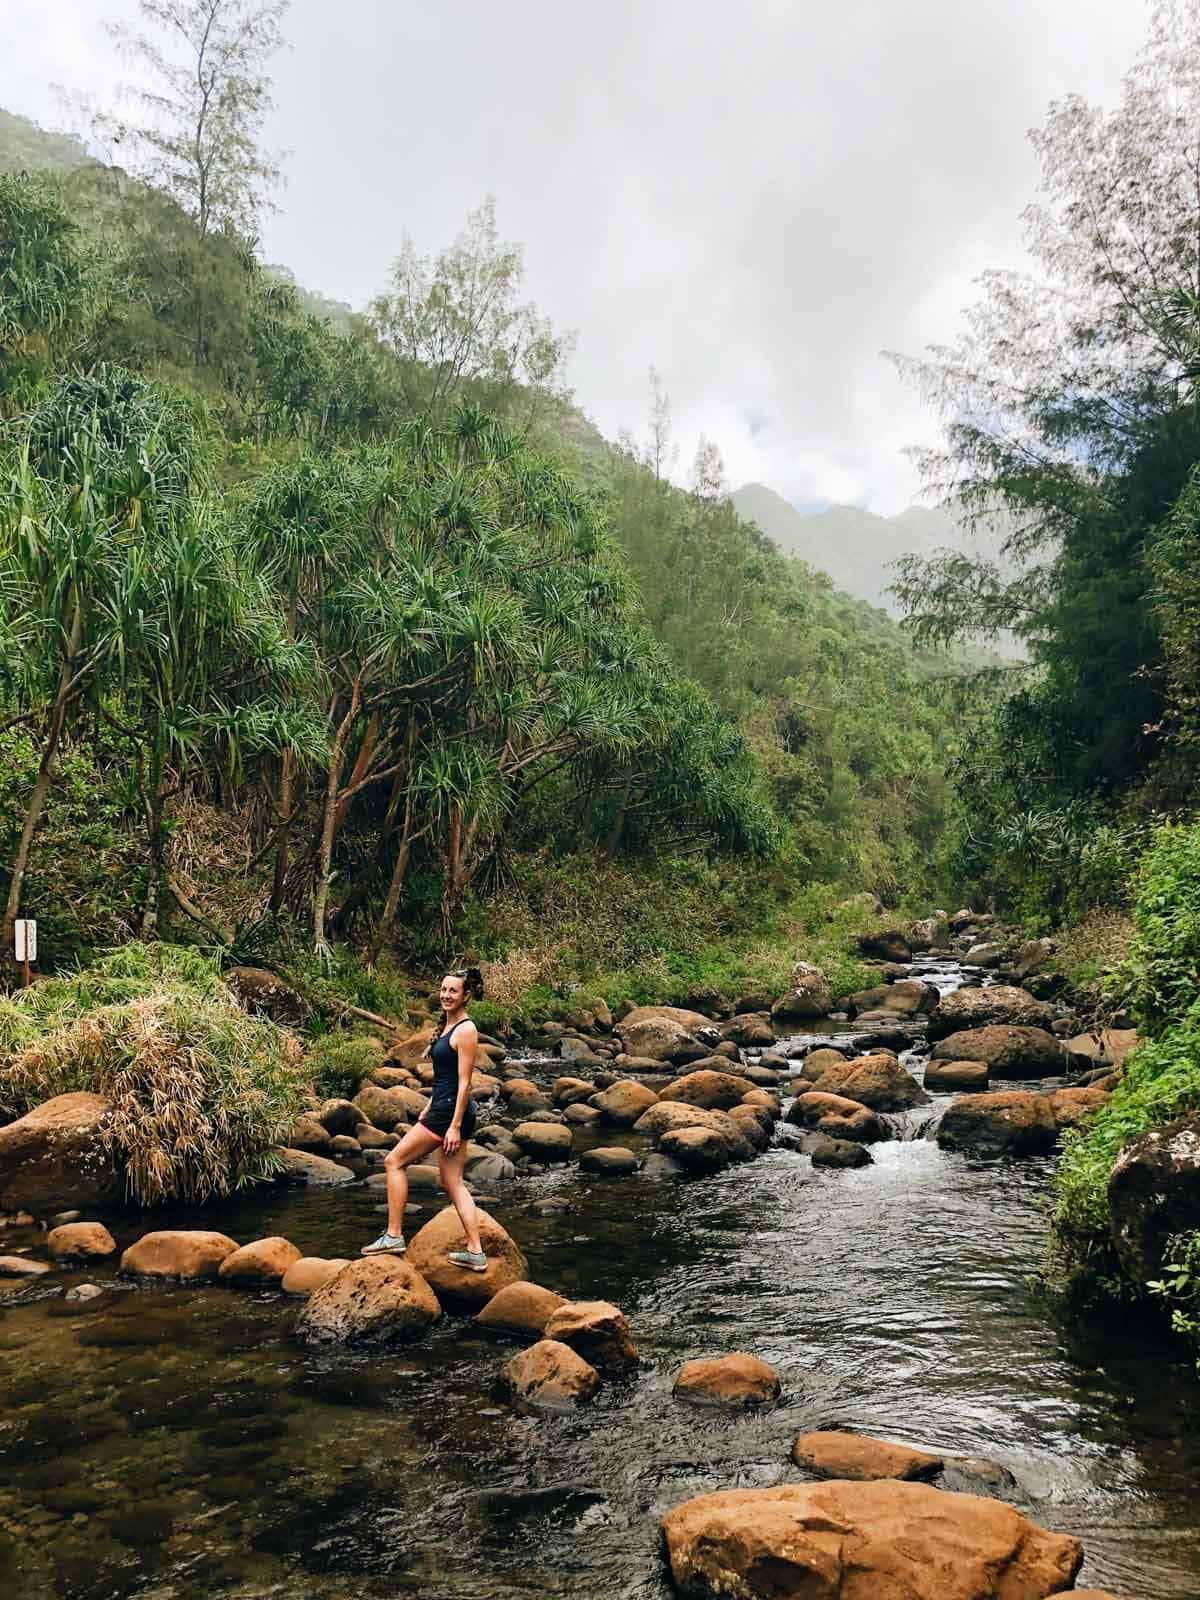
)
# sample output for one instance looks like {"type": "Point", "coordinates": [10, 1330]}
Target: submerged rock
{"type": "Point", "coordinates": [551, 1374]}
{"type": "Point", "coordinates": [738, 1379]}
{"type": "Point", "coordinates": [855, 1541]}
{"type": "Point", "coordinates": [378, 1299]}
{"type": "Point", "coordinates": [855, 1456]}
{"type": "Point", "coordinates": [827, 1152]}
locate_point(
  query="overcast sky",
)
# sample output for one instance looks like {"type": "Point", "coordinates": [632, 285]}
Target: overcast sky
{"type": "Point", "coordinates": [758, 198]}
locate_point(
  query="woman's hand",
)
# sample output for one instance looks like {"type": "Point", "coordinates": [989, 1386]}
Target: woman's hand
{"type": "Point", "coordinates": [453, 1139]}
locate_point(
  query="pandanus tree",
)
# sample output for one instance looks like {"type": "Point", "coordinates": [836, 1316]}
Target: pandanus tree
{"type": "Point", "coordinates": [102, 468]}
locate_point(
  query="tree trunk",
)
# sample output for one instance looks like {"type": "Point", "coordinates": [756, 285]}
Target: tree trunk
{"type": "Point", "coordinates": [388, 915]}
{"type": "Point", "coordinates": [154, 836]}
{"type": "Point", "coordinates": [41, 787]}
{"type": "Point", "coordinates": [328, 821]}
{"type": "Point", "coordinates": [285, 828]}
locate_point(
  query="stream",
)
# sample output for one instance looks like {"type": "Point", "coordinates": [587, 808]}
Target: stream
{"type": "Point", "coordinates": [176, 1443]}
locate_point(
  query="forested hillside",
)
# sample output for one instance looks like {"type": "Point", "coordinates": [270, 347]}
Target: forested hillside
{"type": "Point", "coordinates": [357, 616]}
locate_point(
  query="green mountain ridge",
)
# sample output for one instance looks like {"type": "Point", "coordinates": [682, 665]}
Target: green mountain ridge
{"type": "Point", "coordinates": [854, 547]}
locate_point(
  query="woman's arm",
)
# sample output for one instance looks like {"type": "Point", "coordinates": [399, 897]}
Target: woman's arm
{"type": "Point", "coordinates": [466, 1043]}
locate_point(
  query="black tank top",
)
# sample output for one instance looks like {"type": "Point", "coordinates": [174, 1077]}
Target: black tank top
{"type": "Point", "coordinates": [445, 1065]}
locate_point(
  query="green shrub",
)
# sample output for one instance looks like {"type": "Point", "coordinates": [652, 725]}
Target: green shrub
{"type": "Point", "coordinates": [202, 1094]}
{"type": "Point", "coordinates": [1161, 1081]}
{"type": "Point", "coordinates": [1162, 971]}
{"type": "Point", "coordinates": [337, 1063]}
{"type": "Point", "coordinates": [1179, 1286]}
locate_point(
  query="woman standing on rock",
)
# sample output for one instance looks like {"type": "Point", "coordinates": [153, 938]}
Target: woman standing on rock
{"type": "Point", "coordinates": [445, 1125]}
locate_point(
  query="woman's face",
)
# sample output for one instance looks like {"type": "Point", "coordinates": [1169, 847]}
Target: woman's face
{"type": "Point", "coordinates": [452, 992]}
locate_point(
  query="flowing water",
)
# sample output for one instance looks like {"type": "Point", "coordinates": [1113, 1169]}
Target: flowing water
{"type": "Point", "coordinates": [177, 1443]}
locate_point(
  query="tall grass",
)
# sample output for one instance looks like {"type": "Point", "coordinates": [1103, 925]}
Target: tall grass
{"type": "Point", "coordinates": [201, 1093]}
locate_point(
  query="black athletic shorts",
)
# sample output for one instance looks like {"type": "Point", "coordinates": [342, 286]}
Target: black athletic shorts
{"type": "Point", "coordinates": [441, 1114]}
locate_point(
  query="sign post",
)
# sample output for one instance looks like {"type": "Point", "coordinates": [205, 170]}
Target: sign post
{"type": "Point", "coordinates": [25, 943]}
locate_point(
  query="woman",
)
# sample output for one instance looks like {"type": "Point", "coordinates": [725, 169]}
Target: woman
{"type": "Point", "coordinates": [445, 1125]}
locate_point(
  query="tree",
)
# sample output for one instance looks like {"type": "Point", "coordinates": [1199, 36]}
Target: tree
{"type": "Point", "coordinates": [460, 332]}
{"type": "Point", "coordinates": [196, 135]}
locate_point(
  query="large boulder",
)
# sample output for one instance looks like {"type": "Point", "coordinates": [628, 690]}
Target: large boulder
{"type": "Point", "coordinates": [663, 1033]}
{"type": "Point", "coordinates": [699, 1149]}
{"type": "Point", "coordinates": [80, 1241]}
{"type": "Point", "coordinates": [889, 944]}
{"type": "Point", "coordinates": [309, 1133]}
{"type": "Point", "coordinates": [571, 1091]}
{"type": "Point", "coordinates": [552, 1375]}
{"type": "Point", "coordinates": [711, 1091]}
{"type": "Point", "coordinates": [1006, 1051]}
{"type": "Point", "coordinates": [178, 1253]}
{"type": "Point", "coordinates": [543, 1141]}
{"type": "Point", "coordinates": [854, 1456]}
{"type": "Point", "coordinates": [816, 1061]}
{"type": "Point", "coordinates": [837, 1117]}
{"type": "Point", "coordinates": [413, 1049]}
{"type": "Point", "coordinates": [523, 1097]}
{"type": "Point", "coordinates": [624, 1102]}
{"type": "Point", "coordinates": [377, 1300]}
{"type": "Point", "coordinates": [734, 1380]}
{"type": "Point", "coordinates": [339, 1117]}
{"type": "Point", "coordinates": [1072, 1107]}
{"type": "Point", "coordinates": [980, 1008]}
{"type": "Point", "coordinates": [427, 1252]}
{"type": "Point", "coordinates": [670, 1115]}
{"type": "Point", "coordinates": [930, 933]}
{"type": "Point", "coordinates": [597, 1330]}
{"type": "Point", "coordinates": [1110, 1046]}
{"type": "Point", "coordinates": [856, 1541]}
{"type": "Point", "coordinates": [878, 1081]}
{"type": "Point", "coordinates": [265, 995]}
{"type": "Point", "coordinates": [1032, 956]}
{"type": "Point", "coordinates": [57, 1157]}
{"type": "Point", "coordinates": [384, 1108]}
{"type": "Point", "coordinates": [1015, 1122]}
{"type": "Point", "coordinates": [749, 1031]}
{"type": "Point", "coordinates": [521, 1307]}
{"type": "Point", "coordinates": [1153, 1192]}
{"type": "Point", "coordinates": [909, 997]}
{"type": "Point", "coordinates": [259, 1265]}
{"type": "Point", "coordinates": [317, 1172]}
{"type": "Point", "coordinates": [808, 996]}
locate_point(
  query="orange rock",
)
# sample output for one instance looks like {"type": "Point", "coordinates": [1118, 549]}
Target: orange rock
{"type": "Point", "coordinates": [56, 1156]}
{"type": "Point", "coordinates": [520, 1308]}
{"type": "Point", "coordinates": [597, 1330]}
{"type": "Point", "coordinates": [878, 1081]}
{"type": "Point", "coordinates": [262, 1262]}
{"type": "Point", "coordinates": [738, 1379]}
{"type": "Point", "coordinates": [375, 1299]}
{"type": "Point", "coordinates": [427, 1251]}
{"type": "Point", "coordinates": [80, 1241]}
{"type": "Point", "coordinates": [178, 1253]}
{"type": "Point", "coordinates": [713, 1091]}
{"type": "Point", "coordinates": [310, 1273]}
{"type": "Point", "coordinates": [551, 1374]}
{"type": "Point", "coordinates": [836, 1116]}
{"type": "Point", "coordinates": [856, 1541]}
{"type": "Point", "coordinates": [853, 1455]}
{"type": "Point", "coordinates": [410, 1051]}
{"type": "Point", "coordinates": [624, 1102]}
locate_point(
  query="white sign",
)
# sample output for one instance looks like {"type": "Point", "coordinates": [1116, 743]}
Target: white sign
{"type": "Point", "coordinates": [25, 939]}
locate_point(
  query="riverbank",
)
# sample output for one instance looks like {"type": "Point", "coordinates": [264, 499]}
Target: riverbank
{"type": "Point", "coordinates": [209, 1449]}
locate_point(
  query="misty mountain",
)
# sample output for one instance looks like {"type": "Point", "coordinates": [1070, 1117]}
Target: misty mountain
{"type": "Point", "coordinates": [855, 547]}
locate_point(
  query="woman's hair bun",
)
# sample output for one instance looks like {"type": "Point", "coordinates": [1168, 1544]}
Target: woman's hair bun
{"type": "Point", "coordinates": [472, 981]}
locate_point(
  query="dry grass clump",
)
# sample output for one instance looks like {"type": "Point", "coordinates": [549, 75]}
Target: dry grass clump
{"type": "Point", "coordinates": [1093, 947]}
{"type": "Point", "coordinates": [506, 981]}
{"type": "Point", "coordinates": [201, 1093]}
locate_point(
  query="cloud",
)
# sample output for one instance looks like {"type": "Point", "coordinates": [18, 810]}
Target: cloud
{"type": "Point", "coordinates": [757, 199]}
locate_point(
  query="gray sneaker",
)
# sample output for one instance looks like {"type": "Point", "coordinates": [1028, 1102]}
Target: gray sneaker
{"type": "Point", "coordinates": [473, 1260]}
{"type": "Point", "coordinates": [387, 1244]}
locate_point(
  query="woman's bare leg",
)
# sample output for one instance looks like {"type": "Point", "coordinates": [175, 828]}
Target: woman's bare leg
{"type": "Point", "coordinates": [417, 1142]}
{"type": "Point", "coordinates": [450, 1170]}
